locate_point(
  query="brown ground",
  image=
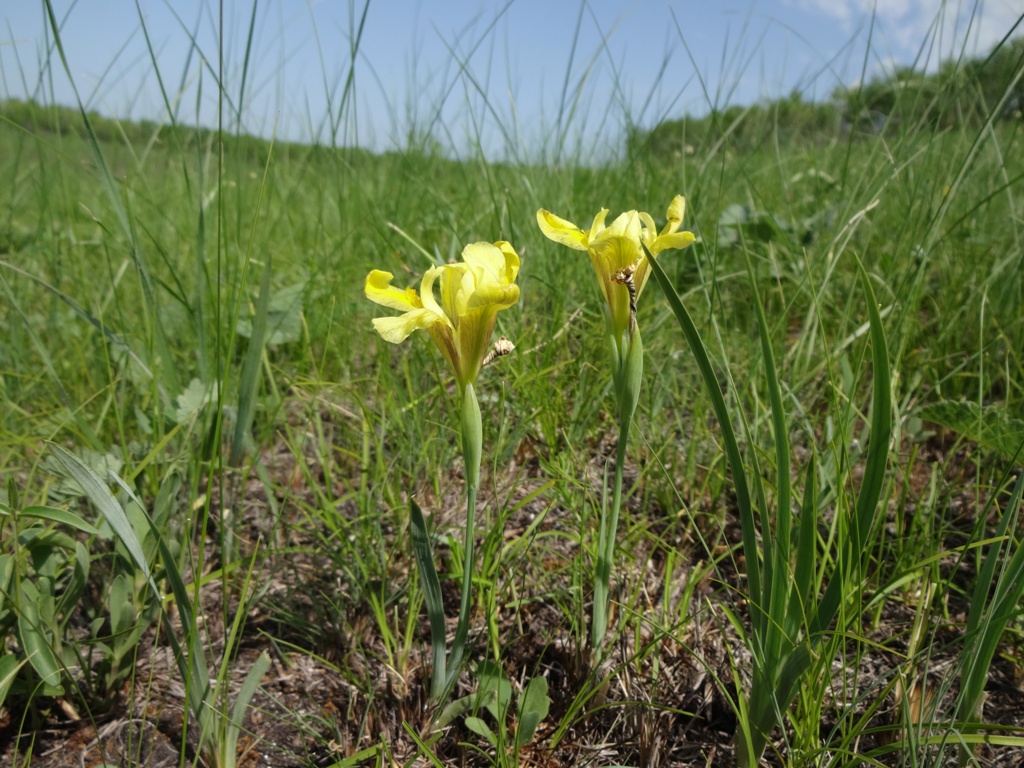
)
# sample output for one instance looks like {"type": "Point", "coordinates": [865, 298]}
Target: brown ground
{"type": "Point", "coordinates": [330, 694]}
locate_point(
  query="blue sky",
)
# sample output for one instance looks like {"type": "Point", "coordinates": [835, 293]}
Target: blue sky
{"type": "Point", "coordinates": [508, 76]}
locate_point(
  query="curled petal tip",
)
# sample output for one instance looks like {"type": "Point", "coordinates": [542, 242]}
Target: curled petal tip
{"type": "Point", "coordinates": [561, 230]}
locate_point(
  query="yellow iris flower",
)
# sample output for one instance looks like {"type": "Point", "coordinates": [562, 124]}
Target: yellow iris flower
{"type": "Point", "coordinates": [616, 254]}
{"type": "Point", "coordinates": [471, 293]}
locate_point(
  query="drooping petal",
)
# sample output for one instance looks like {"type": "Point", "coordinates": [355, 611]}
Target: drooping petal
{"type": "Point", "coordinates": [673, 240]}
{"type": "Point", "coordinates": [562, 231]}
{"type": "Point", "coordinates": [378, 289]}
{"type": "Point", "coordinates": [670, 238]}
{"type": "Point", "coordinates": [493, 295]}
{"type": "Point", "coordinates": [397, 329]}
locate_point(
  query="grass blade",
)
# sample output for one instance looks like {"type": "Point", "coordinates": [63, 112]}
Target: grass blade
{"type": "Point", "coordinates": [851, 553]}
{"type": "Point", "coordinates": [99, 494]}
{"type": "Point", "coordinates": [988, 617]}
{"type": "Point", "coordinates": [714, 390]}
{"type": "Point", "coordinates": [249, 687]}
{"type": "Point", "coordinates": [431, 596]}
{"type": "Point", "coordinates": [250, 376]}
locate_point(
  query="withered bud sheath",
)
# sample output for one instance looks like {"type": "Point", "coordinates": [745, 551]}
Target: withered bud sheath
{"type": "Point", "coordinates": [625, 277]}
{"type": "Point", "coordinates": [501, 348]}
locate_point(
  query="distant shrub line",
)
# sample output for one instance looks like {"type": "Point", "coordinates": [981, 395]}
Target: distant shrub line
{"type": "Point", "coordinates": [959, 94]}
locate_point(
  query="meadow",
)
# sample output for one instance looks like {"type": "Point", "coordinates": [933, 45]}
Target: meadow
{"type": "Point", "coordinates": [211, 463]}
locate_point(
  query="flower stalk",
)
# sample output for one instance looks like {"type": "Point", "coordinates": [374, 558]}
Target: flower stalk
{"type": "Point", "coordinates": [620, 254]}
{"type": "Point", "coordinates": [472, 451]}
{"type": "Point", "coordinates": [460, 324]}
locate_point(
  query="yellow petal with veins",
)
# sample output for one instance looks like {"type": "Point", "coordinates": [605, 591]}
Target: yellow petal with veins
{"type": "Point", "coordinates": [562, 231]}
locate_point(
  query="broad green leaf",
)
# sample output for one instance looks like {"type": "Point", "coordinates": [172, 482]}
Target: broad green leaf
{"type": "Point", "coordinates": [533, 708]}
{"type": "Point", "coordinates": [249, 687]}
{"type": "Point", "coordinates": [494, 690]}
{"type": "Point", "coordinates": [9, 666]}
{"type": "Point", "coordinates": [62, 516]}
{"type": "Point", "coordinates": [69, 487]}
{"type": "Point", "coordinates": [455, 709]}
{"type": "Point", "coordinates": [122, 612]}
{"type": "Point", "coordinates": [33, 639]}
{"type": "Point", "coordinates": [192, 399]}
{"type": "Point", "coordinates": [80, 564]}
{"type": "Point", "coordinates": [480, 728]}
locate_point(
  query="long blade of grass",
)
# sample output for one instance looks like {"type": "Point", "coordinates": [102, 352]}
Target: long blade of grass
{"type": "Point", "coordinates": [431, 596]}
{"type": "Point", "coordinates": [776, 533]}
{"type": "Point", "coordinates": [55, 515]}
{"type": "Point", "coordinates": [851, 553]}
{"type": "Point", "coordinates": [244, 696]}
{"type": "Point", "coordinates": [167, 371]}
{"type": "Point", "coordinates": [988, 617]}
{"type": "Point", "coordinates": [732, 449]}
{"type": "Point", "coordinates": [32, 633]}
{"type": "Point", "coordinates": [193, 667]}
{"type": "Point", "coordinates": [99, 494]}
{"type": "Point", "coordinates": [807, 540]}
{"type": "Point", "coordinates": [770, 610]}
{"type": "Point", "coordinates": [9, 667]}
{"type": "Point", "coordinates": [250, 375]}
{"type": "Point", "coordinates": [422, 746]}
{"type": "Point", "coordinates": [82, 312]}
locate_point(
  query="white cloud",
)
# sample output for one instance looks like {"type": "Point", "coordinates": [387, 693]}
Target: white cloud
{"type": "Point", "coordinates": [904, 26]}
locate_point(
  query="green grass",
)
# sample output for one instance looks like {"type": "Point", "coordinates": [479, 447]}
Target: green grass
{"type": "Point", "coordinates": [186, 313]}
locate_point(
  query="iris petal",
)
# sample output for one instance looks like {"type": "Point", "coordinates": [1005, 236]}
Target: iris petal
{"type": "Point", "coordinates": [397, 329]}
{"type": "Point", "coordinates": [562, 231]}
{"type": "Point", "coordinates": [675, 240]}
{"type": "Point", "coordinates": [379, 289]}
{"type": "Point", "coordinates": [427, 292]}
{"type": "Point", "coordinates": [471, 293]}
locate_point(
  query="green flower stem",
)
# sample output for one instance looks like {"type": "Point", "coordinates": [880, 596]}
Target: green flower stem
{"type": "Point", "coordinates": [606, 547]}
{"type": "Point", "coordinates": [472, 449]}
{"type": "Point", "coordinates": [628, 373]}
